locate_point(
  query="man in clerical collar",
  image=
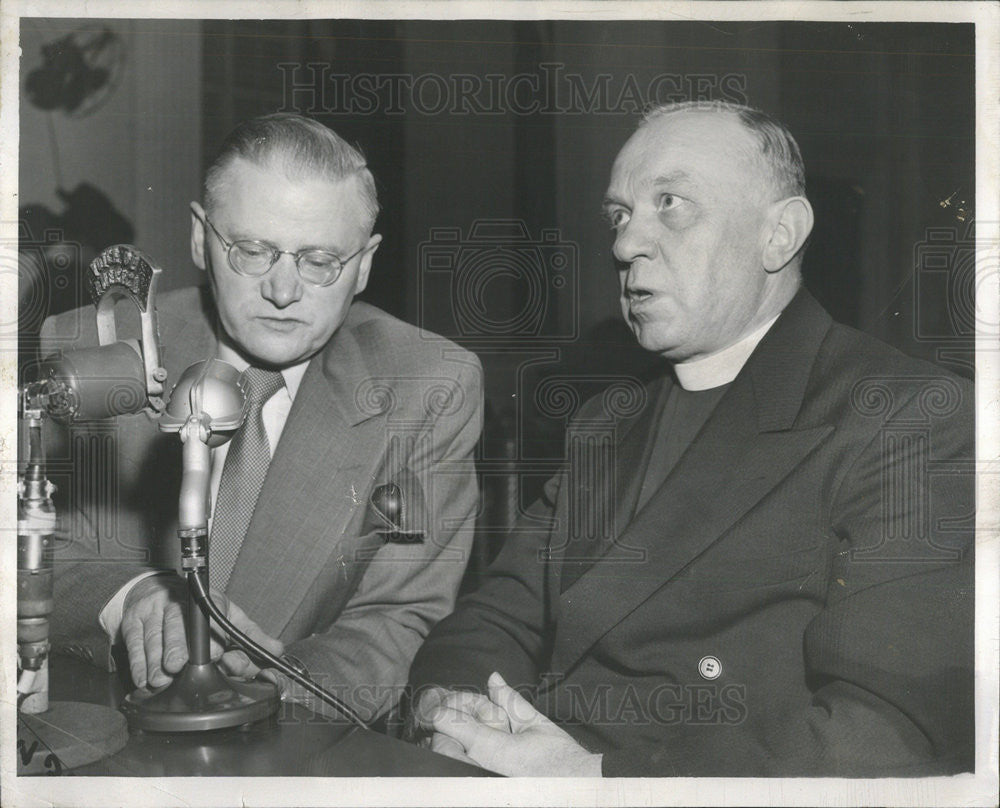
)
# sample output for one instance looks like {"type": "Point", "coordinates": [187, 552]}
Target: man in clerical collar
{"type": "Point", "coordinates": [784, 590]}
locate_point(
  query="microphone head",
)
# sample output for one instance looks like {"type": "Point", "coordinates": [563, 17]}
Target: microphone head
{"type": "Point", "coordinates": [90, 384]}
{"type": "Point", "coordinates": [210, 388]}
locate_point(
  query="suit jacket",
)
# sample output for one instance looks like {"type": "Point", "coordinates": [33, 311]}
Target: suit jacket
{"type": "Point", "coordinates": [795, 599]}
{"type": "Point", "coordinates": [383, 402]}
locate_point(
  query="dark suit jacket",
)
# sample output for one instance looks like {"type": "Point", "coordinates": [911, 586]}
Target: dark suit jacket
{"type": "Point", "coordinates": [383, 402]}
{"type": "Point", "coordinates": [796, 599]}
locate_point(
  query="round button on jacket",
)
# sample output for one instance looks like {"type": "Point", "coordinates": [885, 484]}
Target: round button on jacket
{"type": "Point", "coordinates": [709, 667]}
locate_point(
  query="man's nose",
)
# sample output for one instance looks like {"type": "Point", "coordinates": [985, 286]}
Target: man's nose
{"type": "Point", "coordinates": [282, 285]}
{"type": "Point", "coordinates": [633, 241]}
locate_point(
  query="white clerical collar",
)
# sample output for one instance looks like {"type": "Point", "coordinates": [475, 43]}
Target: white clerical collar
{"type": "Point", "coordinates": [722, 366]}
{"type": "Point", "coordinates": [292, 375]}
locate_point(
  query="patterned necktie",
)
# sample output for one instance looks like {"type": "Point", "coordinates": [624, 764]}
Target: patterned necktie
{"type": "Point", "coordinates": [242, 477]}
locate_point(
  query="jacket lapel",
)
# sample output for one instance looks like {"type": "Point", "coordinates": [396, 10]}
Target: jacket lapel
{"type": "Point", "coordinates": [747, 447]}
{"type": "Point", "coordinates": [633, 442]}
{"type": "Point", "coordinates": [312, 490]}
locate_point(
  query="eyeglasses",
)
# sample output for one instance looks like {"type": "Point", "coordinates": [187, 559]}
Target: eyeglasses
{"type": "Point", "coordinates": [255, 258]}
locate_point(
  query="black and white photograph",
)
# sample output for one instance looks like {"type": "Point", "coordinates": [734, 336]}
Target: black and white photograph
{"type": "Point", "coordinates": [514, 403]}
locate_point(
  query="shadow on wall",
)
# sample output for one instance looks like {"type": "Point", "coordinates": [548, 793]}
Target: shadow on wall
{"type": "Point", "coordinates": [80, 71]}
{"type": "Point", "coordinates": [54, 251]}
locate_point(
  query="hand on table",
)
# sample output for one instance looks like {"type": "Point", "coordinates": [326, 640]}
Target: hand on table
{"type": "Point", "coordinates": [475, 705]}
{"type": "Point", "coordinates": [471, 729]}
{"type": "Point", "coordinates": [153, 630]}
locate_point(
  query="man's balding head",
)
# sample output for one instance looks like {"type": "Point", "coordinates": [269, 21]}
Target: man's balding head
{"type": "Point", "coordinates": [300, 148]}
{"type": "Point", "coordinates": [773, 146]}
{"type": "Point", "coordinates": [709, 222]}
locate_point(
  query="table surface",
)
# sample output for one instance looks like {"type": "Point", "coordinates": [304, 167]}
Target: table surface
{"type": "Point", "coordinates": [295, 741]}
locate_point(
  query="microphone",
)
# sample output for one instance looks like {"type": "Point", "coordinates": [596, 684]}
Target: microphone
{"type": "Point", "coordinates": [207, 405]}
{"type": "Point", "coordinates": [116, 377]}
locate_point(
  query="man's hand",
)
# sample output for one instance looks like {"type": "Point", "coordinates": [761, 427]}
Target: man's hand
{"type": "Point", "coordinates": [533, 746]}
{"type": "Point", "coordinates": [153, 631]}
{"type": "Point", "coordinates": [237, 663]}
{"type": "Point", "coordinates": [475, 705]}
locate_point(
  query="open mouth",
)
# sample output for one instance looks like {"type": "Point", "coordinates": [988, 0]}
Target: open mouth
{"type": "Point", "coordinates": [637, 295]}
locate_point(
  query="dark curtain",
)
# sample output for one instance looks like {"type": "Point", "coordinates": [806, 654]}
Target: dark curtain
{"type": "Point", "coordinates": [492, 143]}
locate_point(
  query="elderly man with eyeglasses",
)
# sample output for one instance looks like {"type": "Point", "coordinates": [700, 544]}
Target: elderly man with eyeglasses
{"type": "Point", "coordinates": [343, 399]}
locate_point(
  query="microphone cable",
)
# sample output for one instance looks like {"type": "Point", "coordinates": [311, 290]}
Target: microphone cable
{"type": "Point", "coordinates": [205, 601]}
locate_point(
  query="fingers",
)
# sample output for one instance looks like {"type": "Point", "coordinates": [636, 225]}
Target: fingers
{"type": "Point", "coordinates": [175, 651]}
{"type": "Point", "coordinates": [237, 663]}
{"type": "Point", "coordinates": [425, 705]}
{"type": "Point", "coordinates": [132, 633]}
{"type": "Point", "coordinates": [288, 690]}
{"type": "Point", "coordinates": [155, 637]}
{"type": "Point", "coordinates": [152, 643]}
{"type": "Point", "coordinates": [459, 726]}
{"type": "Point", "coordinates": [479, 706]}
{"type": "Point", "coordinates": [468, 701]}
{"type": "Point", "coordinates": [151, 617]}
{"type": "Point", "coordinates": [277, 678]}
{"type": "Point", "coordinates": [449, 747]}
{"type": "Point", "coordinates": [253, 631]}
{"type": "Point", "coordinates": [518, 709]}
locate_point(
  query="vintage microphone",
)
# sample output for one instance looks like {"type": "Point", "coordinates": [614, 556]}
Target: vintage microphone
{"type": "Point", "coordinates": [206, 407]}
{"type": "Point", "coordinates": [114, 378]}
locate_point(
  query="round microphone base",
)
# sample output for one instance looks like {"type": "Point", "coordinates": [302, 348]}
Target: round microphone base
{"type": "Point", "coordinates": [200, 698]}
{"type": "Point", "coordinates": [67, 735]}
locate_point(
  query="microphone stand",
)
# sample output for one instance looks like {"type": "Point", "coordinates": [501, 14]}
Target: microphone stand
{"type": "Point", "coordinates": [201, 696]}
{"type": "Point", "coordinates": [111, 379]}
{"type": "Point", "coordinates": [52, 736]}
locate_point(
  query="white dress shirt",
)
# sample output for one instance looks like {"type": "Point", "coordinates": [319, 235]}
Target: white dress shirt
{"type": "Point", "coordinates": [274, 413]}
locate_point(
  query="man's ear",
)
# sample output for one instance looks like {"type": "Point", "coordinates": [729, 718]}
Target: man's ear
{"type": "Point", "coordinates": [198, 235]}
{"type": "Point", "coordinates": [789, 223]}
{"type": "Point", "coordinates": [366, 263]}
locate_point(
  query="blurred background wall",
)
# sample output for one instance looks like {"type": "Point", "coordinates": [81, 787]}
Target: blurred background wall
{"type": "Point", "coordinates": [491, 142]}
{"type": "Point", "coordinates": [111, 144]}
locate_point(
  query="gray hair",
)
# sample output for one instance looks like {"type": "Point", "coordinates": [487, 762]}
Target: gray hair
{"type": "Point", "coordinates": [778, 150]}
{"type": "Point", "coordinates": [303, 144]}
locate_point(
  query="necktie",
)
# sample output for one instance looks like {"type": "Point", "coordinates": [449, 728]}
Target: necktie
{"type": "Point", "coordinates": [242, 477]}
